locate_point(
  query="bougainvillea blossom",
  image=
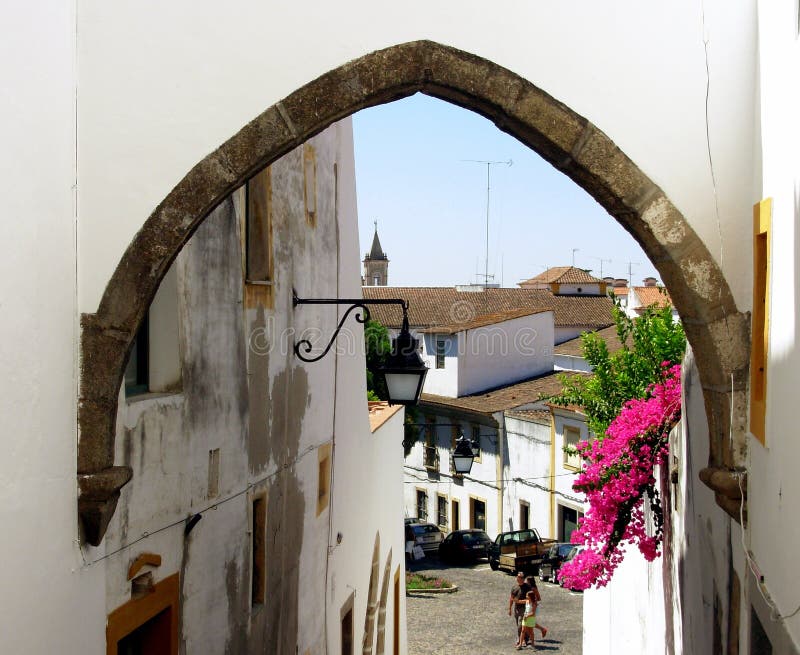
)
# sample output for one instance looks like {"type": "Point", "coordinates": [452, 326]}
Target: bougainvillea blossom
{"type": "Point", "coordinates": [618, 479]}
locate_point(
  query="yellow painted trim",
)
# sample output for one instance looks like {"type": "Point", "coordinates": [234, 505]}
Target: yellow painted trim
{"type": "Point", "coordinates": [759, 346]}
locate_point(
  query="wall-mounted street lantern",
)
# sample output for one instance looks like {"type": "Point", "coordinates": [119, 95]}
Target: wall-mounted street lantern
{"type": "Point", "coordinates": [404, 371]}
{"type": "Point", "coordinates": [463, 456]}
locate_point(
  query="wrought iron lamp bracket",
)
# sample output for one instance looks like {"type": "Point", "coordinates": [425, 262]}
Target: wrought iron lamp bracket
{"type": "Point", "coordinates": [303, 347]}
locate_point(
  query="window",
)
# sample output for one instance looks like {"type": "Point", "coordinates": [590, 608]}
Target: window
{"type": "Point", "coordinates": [213, 473]}
{"type": "Point", "coordinates": [137, 371]}
{"type": "Point", "coordinates": [477, 513]}
{"type": "Point", "coordinates": [310, 183]}
{"type": "Point", "coordinates": [258, 548]}
{"type": "Point", "coordinates": [422, 505]}
{"type": "Point", "coordinates": [571, 438]}
{"type": "Point", "coordinates": [440, 348]}
{"type": "Point", "coordinates": [258, 228]}
{"type": "Point", "coordinates": [324, 478]}
{"type": "Point", "coordinates": [431, 457]}
{"type": "Point", "coordinates": [476, 442]}
{"type": "Point", "coordinates": [455, 433]}
{"type": "Point", "coordinates": [568, 522]}
{"type": "Point", "coordinates": [524, 515]}
{"type": "Point", "coordinates": [759, 334]}
{"type": "Point", "coordinates": [441, 512]}
{"type": "Point", "coordinates": [455, 513]}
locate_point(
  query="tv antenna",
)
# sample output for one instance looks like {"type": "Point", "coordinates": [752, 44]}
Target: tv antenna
{"type": "Point", "coordinates": [489, 165]}
{"type": "Point", "coordinates": [602, 261]}
{"type": "Point", "coordinates": [630, 272]}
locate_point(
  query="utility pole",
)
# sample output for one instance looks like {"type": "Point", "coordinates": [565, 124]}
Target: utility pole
{"type": "Point", "coordinates": [489, 164]}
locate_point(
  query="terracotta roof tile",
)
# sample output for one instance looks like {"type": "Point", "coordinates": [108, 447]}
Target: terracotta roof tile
{"type": "Point", "coordinates": [379, 412]}
{"type": "Point", "coordinates": [440, 307]}
{"type": "Point", "coordinates": [482, 321]}
{"type": "Point", "coordinates": [652, 296]}
{"type": "Point", "coordinates": [538, 415]}
{"type": "Point", "coordinates": [573, 346]}
{"type": "Point", "coordinates": [503, 398]}
{"type": "Point", "coordinates": [563, 275]}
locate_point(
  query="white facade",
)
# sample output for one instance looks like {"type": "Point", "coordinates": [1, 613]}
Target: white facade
{"type": "Point", "coordinates": [506, 352]}
{"type": "Point", "coordinates": [488, 356]}
{"type": "Point", "coordinates": [527, 488]}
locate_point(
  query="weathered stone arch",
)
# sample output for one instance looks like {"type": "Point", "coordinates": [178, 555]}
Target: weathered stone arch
{"type": "Point", "coordinates": [717, 331]}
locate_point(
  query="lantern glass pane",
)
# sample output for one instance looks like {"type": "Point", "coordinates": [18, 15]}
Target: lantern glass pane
{"type": "Point", "coordinates": [462, 464]}
{"type": "Point", "coordinates": [402, 386]}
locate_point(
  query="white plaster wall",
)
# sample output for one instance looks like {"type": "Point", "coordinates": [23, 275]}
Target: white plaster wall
{"type": "Point", "coordinates": [441, 381]}
{"type": "Point", "coordinates": [579, 289]}
{"type": "Point", "coordinates": [564, 476]}
{"type": "Point", "coordinates": [528, 473]}
{"type": "Point", "coordinates": [627, 616]}
{"type": "Point", "coordinates": [140, 132]}
{"type": "Point", "coordinates": [504, 353]}
{"type": "Point", "coordinates": [563, 334]}
{"type": "Point", "coordinates": [44, 574]}
{"type": "Point", "coordinates": [482, 482]}
{"type": "Point", "coordinates": [773, 484]}
{"type": "Point", "coordinates": [570, 363]}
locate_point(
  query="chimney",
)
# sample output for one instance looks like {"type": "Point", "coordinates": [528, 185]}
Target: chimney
{"type": "Point", "coordinates": [620, 282]}
{"type": "Point", "coordinates": [609, 280]}
{"type": "Point", "coordinates": [650, 282]}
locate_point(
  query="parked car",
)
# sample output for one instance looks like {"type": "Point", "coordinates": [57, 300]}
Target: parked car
{"type": "Point", "coordinates": [552, 561]}
{"type": "Point", "coordinates": [465, 545]}
{"type": "Point", "coordinates": [426, 535]}
{"type": "Point", "coordinates": [570, 555]}
{"type": "Point", "coordinates": [408, 520]}
{"type": "Point", "coordinates": [519, 550]}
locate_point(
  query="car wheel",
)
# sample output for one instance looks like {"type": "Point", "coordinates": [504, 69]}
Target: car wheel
{"type": "Point", "coordinates": [494, 564]}
{"type": "Point", "coordinates": [542, 576]}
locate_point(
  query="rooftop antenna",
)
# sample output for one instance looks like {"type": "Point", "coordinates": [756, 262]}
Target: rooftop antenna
{"type": "Point", "coordinates": [489, 164]}
{"type": "Point", "coordinates": [601, 260]}
{"type": "Point", "coordinates": [630, 272]}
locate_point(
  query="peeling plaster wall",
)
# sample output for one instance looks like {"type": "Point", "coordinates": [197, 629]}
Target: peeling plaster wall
{"type": "Point", "coordinates": [245, 393]}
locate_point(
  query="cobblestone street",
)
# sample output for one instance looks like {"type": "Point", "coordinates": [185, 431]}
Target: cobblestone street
{"type": "Point", "coordinates": [474, 620]}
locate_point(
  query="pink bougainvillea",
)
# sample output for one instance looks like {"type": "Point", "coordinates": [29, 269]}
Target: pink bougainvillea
{"type": "Point", "coordinates": [618, 479]}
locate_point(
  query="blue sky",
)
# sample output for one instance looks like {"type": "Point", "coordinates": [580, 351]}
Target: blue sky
{"type": "Point", "coordinates": [430, 204]}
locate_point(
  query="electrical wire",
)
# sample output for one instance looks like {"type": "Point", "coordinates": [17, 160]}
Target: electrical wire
{"type": "Point", "coordinates": [149, 533]}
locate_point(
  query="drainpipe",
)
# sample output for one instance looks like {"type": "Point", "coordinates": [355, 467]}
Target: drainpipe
{"type": "Point", "coordinates": [500, 468]}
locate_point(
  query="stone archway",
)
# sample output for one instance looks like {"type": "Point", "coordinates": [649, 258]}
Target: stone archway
{"type": "Point", "coordinates": [717, 331]}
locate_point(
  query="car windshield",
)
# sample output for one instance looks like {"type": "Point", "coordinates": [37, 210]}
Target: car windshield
{"type": "Point", "coordinates": [475, 537]}
{"type": "Point", "coordinates": [563, 551]}
{"type": "Point", "coordinates": [424, 529]}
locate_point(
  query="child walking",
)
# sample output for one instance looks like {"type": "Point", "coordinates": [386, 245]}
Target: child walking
{"type": "Point", "coordinates": [528, 620]}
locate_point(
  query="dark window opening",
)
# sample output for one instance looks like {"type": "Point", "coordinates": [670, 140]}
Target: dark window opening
{"type": "Point", "coordinates": [422, 505]}
{"type": "Point", "coordinates": [440, 348]}
{"type": "Point", "coordinates": [137, 372]}
{"type": "Point", "coordinates": [259, 548]}
{"type": "Point", "coordinates": [151, 638]}
{"type": "Point", "coordinates": [258, 228]}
